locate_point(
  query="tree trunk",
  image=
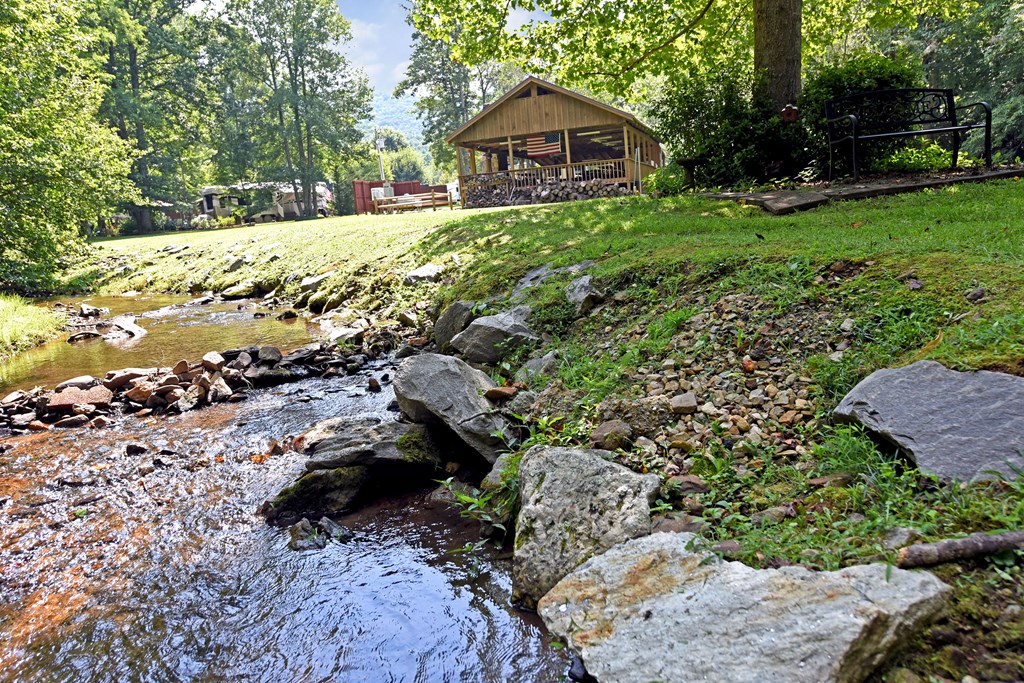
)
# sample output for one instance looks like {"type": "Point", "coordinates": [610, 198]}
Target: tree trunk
{"type": "Point", "coordinates": [142, 215]}
{"type": "Point", "coordinates": [777, 51]}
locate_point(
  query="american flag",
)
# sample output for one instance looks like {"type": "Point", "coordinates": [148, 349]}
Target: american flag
{"type": "Point", "coordinates": [544, 145]}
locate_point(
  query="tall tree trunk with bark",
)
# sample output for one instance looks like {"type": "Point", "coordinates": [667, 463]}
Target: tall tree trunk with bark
{"type": "Point", "coordinates": [142, 215]}
{"type": "Point", "coordinates": [777, 51]}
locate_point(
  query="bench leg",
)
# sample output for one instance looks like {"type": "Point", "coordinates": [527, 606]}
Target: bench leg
{"type": "Point", "coordinates": [956, 148]}
{"type": "Point", "coordinates": [856, 163]}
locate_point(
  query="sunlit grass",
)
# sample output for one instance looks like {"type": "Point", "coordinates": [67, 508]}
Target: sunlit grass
{"type": "Point", "coordinates": [23, 325]}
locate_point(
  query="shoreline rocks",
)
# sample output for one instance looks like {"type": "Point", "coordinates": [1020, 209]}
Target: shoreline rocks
{"type": "Point", "coordinates": [654, 608]}
{"type": "Point", "coordinates": [431, 388]}
{"type": "Point", "coordinates": [575, 504]}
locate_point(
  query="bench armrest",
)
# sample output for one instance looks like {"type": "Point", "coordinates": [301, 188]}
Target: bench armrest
{"type": "Point", "coordinates": [985, 106]}
{"type": "Point", "coordinates": [845, 117]}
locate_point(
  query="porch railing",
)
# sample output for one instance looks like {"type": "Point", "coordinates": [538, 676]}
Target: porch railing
{"type": "Point", "coordinates": [610, 171]}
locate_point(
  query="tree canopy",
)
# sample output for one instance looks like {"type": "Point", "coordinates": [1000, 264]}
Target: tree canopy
{"type": "Point", "coordinates": [615, 46]}
{"type": "Point", "coordinates": [59, 164]}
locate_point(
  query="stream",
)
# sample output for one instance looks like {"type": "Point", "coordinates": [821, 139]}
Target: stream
{"type": "Point", "coordinates": [155, 567]}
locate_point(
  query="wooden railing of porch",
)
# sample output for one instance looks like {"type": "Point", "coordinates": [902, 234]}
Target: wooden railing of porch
{"type": "Point", "coordinates": [610, 171]}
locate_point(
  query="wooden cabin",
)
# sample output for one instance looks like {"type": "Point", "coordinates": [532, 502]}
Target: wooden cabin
{"type": "Point", "coordinates": [540, 134]}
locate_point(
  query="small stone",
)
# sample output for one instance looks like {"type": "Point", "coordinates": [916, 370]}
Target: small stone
{"type": "Point", "coordinates": [500, 393]}
{"type": "Point", "coordinates": [847, 325]}
{"type": "Point", "coordinates": [683, 404]}
{"type": "Point", "coordinates": [688, 484]}
{"type": "Point", "coordinates": [73, 421]}
{"type": "Point", "coordinates": [213, 361]}
{"type": "Point", "coordinates": [38, 426]}
{"type": "Point", "coordinates": [269, 355]}
{"type": "Point", "coordinates": [373, 385]}
{"type": "Point", "coordinates": [611, 435]}
{"type": "Point", "coordinates": [180, 368]}
{"type": "Point", "coordinates": [100, 422]}
{"type": "Point", "coordinates": [900, 537]}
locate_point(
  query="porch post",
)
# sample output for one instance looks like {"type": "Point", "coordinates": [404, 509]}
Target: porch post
{"type": "Point", "coordinates": [462, 177]}
{"type": "Point", "coordinates": [568, 152]}
{"type": "Point", "coordinates": [472, 161]}
{"type": "Point", "coordinates": [626, 155]}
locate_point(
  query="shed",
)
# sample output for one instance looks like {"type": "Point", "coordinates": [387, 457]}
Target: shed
{"type": "Point", "coordinates": [539, 132]}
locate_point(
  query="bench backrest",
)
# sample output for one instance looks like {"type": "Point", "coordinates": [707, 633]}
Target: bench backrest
{"type": "Point", "coordinates": [892, 110]}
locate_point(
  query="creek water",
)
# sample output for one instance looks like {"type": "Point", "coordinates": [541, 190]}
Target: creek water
{"type": "Point", "coordinates": [175, 331]}
{"type": "Point", "coordinates": [155, 567]}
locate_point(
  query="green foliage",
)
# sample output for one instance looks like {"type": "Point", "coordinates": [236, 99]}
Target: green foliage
{"type": "Point", "coordinates": [924, 156]}
{"type": "Point", "coordinates": [59, 167]}
{"type": "Point", "coordinates": [667, 182]}
{"type": "Point", "coordinates": [711, 117]}
{"type": "Point", "coordinates": [858, 73]}
{"type": "Point", "coordinates": [977, 54]}
{"type": "Point", "coordinates": [405, 164]}
{"type": "Point", "coordinates": [448, 92]}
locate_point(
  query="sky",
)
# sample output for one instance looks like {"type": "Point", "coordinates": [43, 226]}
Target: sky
{"type": "Point", "coordinates": [380, 40]}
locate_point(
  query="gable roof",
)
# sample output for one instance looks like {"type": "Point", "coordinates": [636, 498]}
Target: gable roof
{"type": "Point", "coordinates": [533, 80]}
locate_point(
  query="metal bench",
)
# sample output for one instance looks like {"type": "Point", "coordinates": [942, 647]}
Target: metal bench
{"type": "Point", "coordinates": [900, 113]}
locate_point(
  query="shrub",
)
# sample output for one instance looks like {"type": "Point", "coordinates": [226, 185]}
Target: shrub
{"type": "Point", "coordinates": [857, 74]}
{"type": "Point", "coordinates": [712, 117]}
{"type": "Point", "coordinates": [668, 181]}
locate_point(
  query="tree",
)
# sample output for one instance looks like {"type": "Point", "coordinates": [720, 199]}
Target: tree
{"type": "Point", "coordinates": [448, 92]}
{"type": "Point", "coordinates": [405, 164]}
{"type": "Point", "coordinates": [152, 53]}
{"type": "Point", "coordinates": [59, 167]}
{"type": "Point", "coordinates": [613, 46]}
{"type": "Point", "coordinates": [314, 98]}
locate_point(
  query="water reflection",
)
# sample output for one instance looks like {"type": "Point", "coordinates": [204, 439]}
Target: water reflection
{"type": "Point", "coordinates": [108, 574]}
{"type": "Point", "coordinates": [173, 333]}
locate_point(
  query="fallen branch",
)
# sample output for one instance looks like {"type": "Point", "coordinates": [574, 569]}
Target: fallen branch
{"type": "Point", "coordinates": [955, 549]}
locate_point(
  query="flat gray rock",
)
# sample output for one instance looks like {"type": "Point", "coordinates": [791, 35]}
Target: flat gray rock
{"type": "Point", "coordinates": [435, 388]}
{"type": "Point", "coordinates": [652, 609]}
{"type": "Point", "coordinates": [956, 425]}
{"type": "Point", "coordinates": [395, 446]}
{"type": "Point", "coordinates": [575, 504]}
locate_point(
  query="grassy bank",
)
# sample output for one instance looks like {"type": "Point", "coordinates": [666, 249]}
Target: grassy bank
{"type": "Point", "coordinates": [823, 298]}
{"type": "Point", "coordinates": [23, 325]}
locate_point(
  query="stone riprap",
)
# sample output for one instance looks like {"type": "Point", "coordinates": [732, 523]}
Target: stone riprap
{"type": "Point", "coordinates": [654, 609]}
{"type": "Point", "coordinates": [575, 504]}
{"type": "Point", "coordinates": [957, 425]}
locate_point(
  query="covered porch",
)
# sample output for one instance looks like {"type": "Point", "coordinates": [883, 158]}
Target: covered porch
{"type": "Point", "coordinates": [540, 136]}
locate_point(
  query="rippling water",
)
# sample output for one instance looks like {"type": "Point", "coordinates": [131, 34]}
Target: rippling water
{"type": "Point", "coordinates": [109, 573]}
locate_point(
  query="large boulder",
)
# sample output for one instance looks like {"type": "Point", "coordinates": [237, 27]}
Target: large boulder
{"type": "Point", "coordinates": [435, 388]}
{"type": "Point", "coordinates": [654, 609]}
{"type": "Point", "coordinates": [454, 320]}
{"type": "Point", "coordinates": [492, 337]}
{"type": "Point", "coordinates": [396, 446]}
{"type": "Point", "coordinates": [575, 504]}
{"type": "Point", "coordinates": [957, 425]}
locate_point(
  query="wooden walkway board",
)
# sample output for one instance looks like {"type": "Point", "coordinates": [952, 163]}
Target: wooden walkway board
{"type": "Point", "coordinates": [785, 202]}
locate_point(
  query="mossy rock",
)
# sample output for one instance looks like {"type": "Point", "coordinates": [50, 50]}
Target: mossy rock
{"type": "Point", "coordinates": [318, 493]}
